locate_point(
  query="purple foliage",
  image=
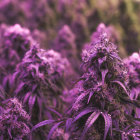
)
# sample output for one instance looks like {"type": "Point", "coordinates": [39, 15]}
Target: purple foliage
{"type": "Point", "coordinates": [112, 34]}
{"type": "Point", "coordinates": [103, 88]}
{"type": "Point", "coordinates": [100, 110]}
{"type": "Point", "coordinates": [66, 45]}
{"type": "Point", "coordinates": [15, 41]}
{"type": "Point", "coordinates": [14, 121]}
{"type": "Point", "coordinates": [133, 65]}
{"type": "Point", "coordinates": [10, 13]}
{"type": "Point", "coordinates": [103, 104]}
{"type": "Point", "coordinates": [39, 81]}
{"type": "Point", "coordinates": [65, 42]}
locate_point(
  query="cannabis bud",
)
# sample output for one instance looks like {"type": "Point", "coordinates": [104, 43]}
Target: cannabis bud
{"type": "Point", "coordinates": [39, 80]}
{"type": "Point", "coordinates": [15, 42]}
{"type": "Point", "coordinates": [65, 44]}
{"type": "Point", "coordinates": [103, 94]}
{"type": "Point", "coordinates": [133, 65]}
{"type": "Point", "coordinates": [111, 33]}
{"type": "Point", "coordinates": [14, 121]}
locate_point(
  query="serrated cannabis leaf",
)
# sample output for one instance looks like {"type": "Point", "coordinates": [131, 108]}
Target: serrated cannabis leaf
{"type": "Point", "coordinates": [53, 129]}
{"type": "Point", "coordinates": [42, 124]}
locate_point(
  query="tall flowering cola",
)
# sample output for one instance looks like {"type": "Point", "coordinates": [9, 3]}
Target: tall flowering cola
{"type": "Point", "coordinates": [133, 65]}
{"type": "Point", "coordinates": [66, 45]}
{"type": "Point", "coordinates": [14, 121]}
{"type": "Point", "coordinates": [38, 9]}
{"type": "Point", "coordinates": [10, 13]}
{"type": "Point", "coordinates": [111, 32]}
{"type": "Point", "coordinates": [39, 82]}
{"type": "Point", "coordinates": [15, 41]}
{"type": "Point", "coordinates": [79, 27]}
{"type": "Point", "coordinates": [100, 110]}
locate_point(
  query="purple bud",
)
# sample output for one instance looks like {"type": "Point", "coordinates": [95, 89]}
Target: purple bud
{"type": "Point", "coordinates": [14, 121]}
{"type": "Point", "coordinates": [16, 41]}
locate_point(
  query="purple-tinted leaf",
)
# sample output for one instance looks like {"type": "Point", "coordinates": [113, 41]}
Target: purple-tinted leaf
{"type": "Point", "coordinates": [90, 95]}
{"type": "Point", "coordinates": [68, 123]}
{"type": "Point", "coordinates": [31, 102]}
{"type": "Point", "coordinates": [48, 114]}
{"type": "Point", "coordinates": [84, 112]}
{"type": "Point", "coordinates": [34, 88]}
{"type": "Point", "coordinates": [54, 111]}
{"type": "Point", "coordinates": [115, 56]}
{"type": "Point", "coordinates": [9, 132]}
{"type": "Point", "coordinates": [92, 118]}
{"type": "Point", "coordinates": [121, 84]}
{"type": "Point", "coordinates": [5, 81]}
{"type": "Point", "coordinates": [42, 124]}
{"type": "Point", "coordinates": [108, 123]}
{"type": "Point", "coordinates": [26, 97]}
{"type": "Point", "coordinates": [2, 92]}
{"type": "Point", "coordinates": [53, 129]}
{"type": "Point", "coordinates": [19, 88]}
{"type": "Point", "coordinates": [101, 60]}
{"type": "Point", "coordinates": [104, 72]}
{"type": "Point", "coordinates": [14, 77]}
{"type": "Point", "coordinates": [79, 99]}
{"type": "Point", "coordinates": [39, 101]}
{"type": "Point", "coordinates": [123, 137]}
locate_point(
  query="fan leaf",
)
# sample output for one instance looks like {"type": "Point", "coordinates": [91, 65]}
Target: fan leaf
{"type": "Point", "coordinates": [104, 72]}
{"type": "Point", "coordinates": [31, 102]}
{"type": "Point", "coordinates": [26, 97]}
{"type": "Point", "coordinates": [21, 85]}
{"type": "Point", "coordinates": [42, 124]}
{"type": "Point", "coordinates": [108, 124]}
{"type": "Point", "coordinates": [90, 95]}
{"type": "Point", "coordinates": [53, 129]}
{"type": "Point", "coordinates": [68, 123]}
{"type": "Point", "coordinates": [121, 84]}
{"type": "Point", "coordinates": [84, 112]}
{"type": "Point", "coordinates": [92, 118]}
{"type": "Point", "coordinates": [54, 111]}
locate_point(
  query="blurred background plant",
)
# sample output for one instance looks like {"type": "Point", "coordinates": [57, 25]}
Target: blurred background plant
{"type": "Point", "coordinates": [49, 16]}
{"type": "Point", "coordinates": [41, 43]}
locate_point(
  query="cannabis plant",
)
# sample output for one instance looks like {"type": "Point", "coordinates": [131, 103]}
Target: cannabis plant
{"type": "Point", "coordinates": [39, 82]}
{"type": "Point", "coordinates": [101, 28]}
{"type": "Point", "coordinates": [100, 110]}
{"type": "Point", "coordinates": [10, 13]}
{"type": "Point", "coordinates": [15, 41]}
{"type": "Point", "coordinates": [66, 45]}
{"type": "Point", "coordinates": [14, 121]}
{"type": "Point", "coordinates": [111, 32]}
{"type": "Point", "coordinates": [65, 42]}
{"type": "Point", "coordinates": [133, 65]}
{"type": "Point", "coordinates": [101, 107]}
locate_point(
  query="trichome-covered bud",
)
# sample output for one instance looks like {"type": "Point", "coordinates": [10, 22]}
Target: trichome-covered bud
{"type": "Point", "coordinates": [111, 33]}
{"type": "Point", "coordinates": [133, 65]}
{"type": "Point", "coordinates": [14, 121]}
{"type": "Point", "coordinates": [39, 80]}
{"type": "Point", "coordinates": [103, 93]}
